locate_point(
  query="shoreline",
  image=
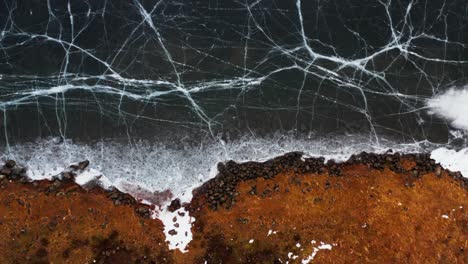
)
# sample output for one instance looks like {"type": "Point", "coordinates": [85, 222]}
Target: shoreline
{"type": "Point", "coordinates": [239, 195]}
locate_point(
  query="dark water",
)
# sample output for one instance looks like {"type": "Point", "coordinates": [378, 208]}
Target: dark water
{"type": "Point", "coordinates": [90, 70]}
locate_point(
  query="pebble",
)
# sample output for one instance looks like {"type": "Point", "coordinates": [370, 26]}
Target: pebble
{"type": "Point", "coordinates": [10, 164]}
{"type": "Point", "coordinates": [174, 206]}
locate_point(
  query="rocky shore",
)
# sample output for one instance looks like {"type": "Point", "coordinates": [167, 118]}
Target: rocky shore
{"type": "Point", "coordinates": [373, 208]}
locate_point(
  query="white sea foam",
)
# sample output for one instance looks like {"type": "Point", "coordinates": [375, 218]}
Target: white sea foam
{"type": "Point", "coordinates": [452, 159]}
{"type": "Point", "coordinates": [451, 105]}
{"type": "Point", "coordinates": [157, 166]}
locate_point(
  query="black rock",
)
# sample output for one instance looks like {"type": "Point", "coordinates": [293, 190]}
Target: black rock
{"type": "Point", "coordinates": [18, 171]}
{"type": "Point", "coordinates": [6, 171]}
{"type": "Point", "coordinates": [142, 211]}
{"type": "Point", "coordinates": [10, 164]}
{"type": "Point", "coordinates": [68, 176]}
{"type": "Point", "coordinates": [83, 164]}
{"type": "Point", "coordinates": [74, 167]}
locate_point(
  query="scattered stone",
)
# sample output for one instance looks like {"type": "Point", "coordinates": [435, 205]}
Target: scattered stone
{"type": "Point", "coordinates": [83, 164]}
{"type": "Point", "coordinates": [6, 171]}
{"type": "Point", "coordinates": [68, 176]}
{"type": "Point", "coordinates": [175, 205]}
{"type": "Point", "coordinates": [143, 211]}
{"type": "Point", "coordinates": [54, 186]}
{"type": "Point", "coordinates": [253, 190]}
{"type": "Point", "coordinates": [243, 220]}
{"type": "Point", "coordinates": [10, 164]}
{"type": "Point", "coordinates": [20, 202]}
{"type": "Point", "coordinates": [52, 224]}
{"type": "Point", "coordinates": [276, 188]}
{"type": "Point", "coordinates": [74, 167]}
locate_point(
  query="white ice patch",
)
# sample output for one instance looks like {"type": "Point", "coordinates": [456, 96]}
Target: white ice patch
{"type": "Point", "coordinates": [452, 160]}
{"type": "Point", "coordinates": [179, 223]}
{"type": "Point", "coordinates": [322, 246]}
{"type": "Point", "coordinates": [451, 105]}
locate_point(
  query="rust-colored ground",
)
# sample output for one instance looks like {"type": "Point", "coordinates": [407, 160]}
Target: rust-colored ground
{"type": "Point", "coordinates": [384, 213]}
{"type": "Point", "coordinates": [70, 225]}
{"type": "Point", "coordinates": [366, 215]}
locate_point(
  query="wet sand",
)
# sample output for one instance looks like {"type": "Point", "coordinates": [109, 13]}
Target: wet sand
{"type": "Point", "coordinates": [371, 209]}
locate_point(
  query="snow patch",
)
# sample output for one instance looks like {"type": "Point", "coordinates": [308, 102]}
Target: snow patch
{"type": "Point", "coordinates": [322, 246]}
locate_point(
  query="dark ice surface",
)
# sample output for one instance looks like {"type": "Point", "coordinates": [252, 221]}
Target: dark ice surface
{"type": "Point", "coordinates": [87, 70]}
